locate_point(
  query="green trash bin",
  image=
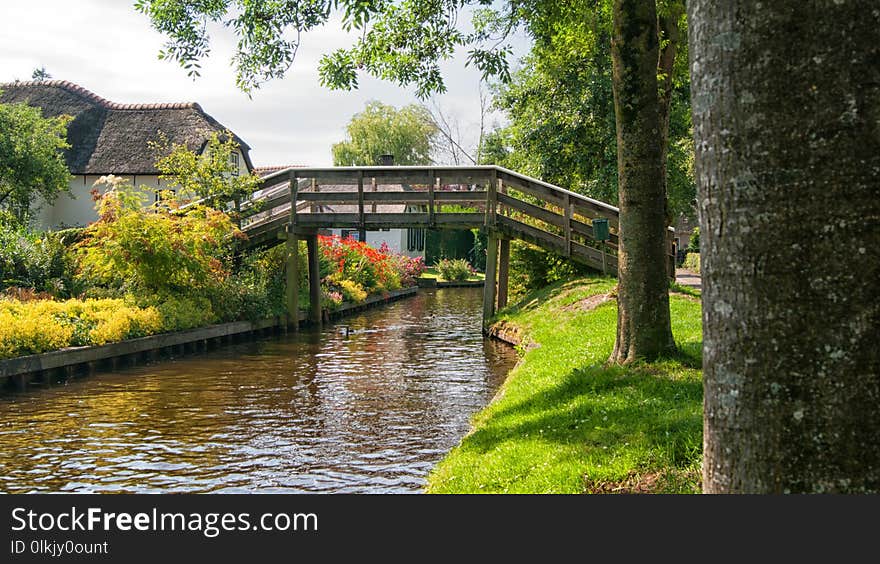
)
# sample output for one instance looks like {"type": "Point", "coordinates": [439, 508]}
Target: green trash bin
{"type": "Point", "coordinates": [600, 229]}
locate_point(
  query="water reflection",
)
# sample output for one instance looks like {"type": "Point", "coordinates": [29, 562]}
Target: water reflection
{"type": "Point", "coordinates": [370, 411]}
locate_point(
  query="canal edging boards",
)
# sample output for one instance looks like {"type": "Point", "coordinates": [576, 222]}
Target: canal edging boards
{"type": "Point", "coordinates": [62, 364]}
{"type": "Point", "coordinates": [434, 283]}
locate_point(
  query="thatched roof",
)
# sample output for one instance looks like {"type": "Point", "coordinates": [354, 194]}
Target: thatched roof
{"type": "Point", "coordinates": [111, 138]}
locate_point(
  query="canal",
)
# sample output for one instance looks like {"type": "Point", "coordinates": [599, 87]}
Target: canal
{"type": "Point", "coordinates": [367, 410]}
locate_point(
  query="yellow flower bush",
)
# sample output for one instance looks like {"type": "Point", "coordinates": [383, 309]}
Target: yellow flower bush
{"type": "Point", "coordinates": [352, 291]}
{"type": "Point", "coordinates": [38, 326]}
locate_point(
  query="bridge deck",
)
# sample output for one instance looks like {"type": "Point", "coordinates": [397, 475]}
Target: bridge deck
{"type": "Point", "coordinates": [507, 204]}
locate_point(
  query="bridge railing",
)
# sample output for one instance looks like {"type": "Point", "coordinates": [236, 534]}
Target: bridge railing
{"type": "Point", "coordinates": [435, 197]}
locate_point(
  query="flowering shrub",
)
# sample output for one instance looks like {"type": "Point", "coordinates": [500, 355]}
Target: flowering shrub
{"type": "Point", "coordinates": [371, 270]}
{"type": "Point", "coordinates": [352, 291]}
{"type": "Point", "coordinates": [331, 300]}
{"type": "Point", "coordinates": [154, 249]}
{"type": "Point", "coordinates": [42, 325]}
{"type": "Point", "coordinates": [455, 269]}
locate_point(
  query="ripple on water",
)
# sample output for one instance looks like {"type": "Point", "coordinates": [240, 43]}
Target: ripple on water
{"type": "Point", "coordinates": [370, 413]}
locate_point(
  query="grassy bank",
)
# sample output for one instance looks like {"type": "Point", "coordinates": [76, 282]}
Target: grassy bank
{"type": "Point", "coordinates": [565, 423]}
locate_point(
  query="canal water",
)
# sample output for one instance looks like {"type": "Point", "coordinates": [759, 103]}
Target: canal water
{"type": "Point", "coordinates": [367, 411]}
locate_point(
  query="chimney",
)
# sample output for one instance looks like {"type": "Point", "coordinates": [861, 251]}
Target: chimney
{"type": "Point", "coordinates": [386, 160]}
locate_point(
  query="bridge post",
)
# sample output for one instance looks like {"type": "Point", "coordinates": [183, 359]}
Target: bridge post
{"type": "Point", "coordinates": [489, 286]}
{"type": "Point", "coordinates": [292, 282]}
{"type": "Point", "coordinates": [314, 280]}
{"type": "Point", "coordinates": [362, 232]}
{"type": "Point", "coordinates": [503, 272]}
{"type": "Point", "coordinates": [292, 247]}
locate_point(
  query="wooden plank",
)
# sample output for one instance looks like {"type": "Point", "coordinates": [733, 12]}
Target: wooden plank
{"type": "Point", "coordinates": [294, 189]}
{"type": "Point", "coordinates": [491, 199]}
{"type": "Point", "coordinates": [531, 234]}
{"type": "Point", "coordinates": [593, 257]}
{"type": "Point", "coordinates": [314, 280]}
{"type": "Point", "coordinates": [329, 219]}
{"type": "Point", "coordinates": [431, 199]}
{"type": "Point", "coordinates": [591, 210]}
{"type": "Point", "coordinates": [397, 176]}
{"type": "Point", "coordinates": [567, 226]}
{"type": "Point", "coordinates": [361, 230]}
{"type": "Point", "coordinates": [489, 285]}
{"type": "Point", "coordinates": [292, 279]}
{"type": "Point", "coordinates": [532, 188]}
{"type": "Point", "coordinates": [397, 197]}
{"type": "Point", "coordinates": [503, 272]}
{"type": "Point", "coordinates": [460, 196]}
{"type": "Point", "coordinates": [459, 220]}
{"type": "Point", "coordinates": [330, 197]}
{"type": "Point", "coordinates": [460, 176]}
{"type": "Point", "coordinates": [532, 210]}
{"type": "Point", "coordinates": [392, 220]}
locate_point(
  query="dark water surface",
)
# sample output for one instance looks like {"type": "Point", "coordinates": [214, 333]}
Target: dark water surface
{"type": "Point", "coordinates": [316, 412]}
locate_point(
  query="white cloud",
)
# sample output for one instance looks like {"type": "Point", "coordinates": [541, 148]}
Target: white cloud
{"type": "Point", "coordinates": [109, 48]}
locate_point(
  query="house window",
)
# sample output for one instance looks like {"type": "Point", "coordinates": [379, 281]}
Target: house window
{"type": "Point", "coordinates": [415, 239]}
{"type": "Point", "coordinates": [353, 233]}
{"type": "Point", "coordinates": [233, 160]}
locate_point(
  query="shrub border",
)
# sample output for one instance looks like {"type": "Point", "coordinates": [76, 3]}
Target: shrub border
{"type": "Point", "coordinates": [21, 371]}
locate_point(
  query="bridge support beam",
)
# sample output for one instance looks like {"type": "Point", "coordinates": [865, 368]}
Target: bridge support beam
{"type": "Point", "coordinates": [314, 281]}
{"type": "Point", "coordinates": [489, 287]}
{"type": "Point", "coordinates": [503, 272]}
{"type": "Point", "coordinates": [291, 244]}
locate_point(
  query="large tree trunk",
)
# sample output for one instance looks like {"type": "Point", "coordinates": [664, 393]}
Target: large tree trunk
{"type": "Point", "coordinates": [786, 101]}
{"type": "Point", "coordinates": [667, 25]}
{"type": "Point", "coordinates": [643, 324]}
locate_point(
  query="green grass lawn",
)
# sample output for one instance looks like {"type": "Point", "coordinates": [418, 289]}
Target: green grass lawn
{"type": "Point", "coordinates": [565, 423]}
{"type": "Point", "coordinates": [432, 273]}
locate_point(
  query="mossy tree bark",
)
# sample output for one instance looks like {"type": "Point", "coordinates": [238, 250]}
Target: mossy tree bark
{"type": "Point", "coordinates": [786, 102]}
{"type": "Point", "coordinates": [643, 321]}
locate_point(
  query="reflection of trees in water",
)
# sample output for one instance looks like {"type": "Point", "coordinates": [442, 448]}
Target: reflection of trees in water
{"type": "Point", "coordinates": [269, 413]}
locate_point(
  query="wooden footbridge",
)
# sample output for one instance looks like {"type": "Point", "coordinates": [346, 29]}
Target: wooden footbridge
{"type": "Point", "coordinates": [295, 203]}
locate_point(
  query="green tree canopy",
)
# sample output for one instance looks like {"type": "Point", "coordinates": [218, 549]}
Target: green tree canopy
{"type": "Point", "coordinates": [561, 108]}
{"type": "Point", "coordinates": [212, 174]}
{"type": "Point", "coordinates": [31, 159]}
{"type": "Point", "coordinates": [407, 133]}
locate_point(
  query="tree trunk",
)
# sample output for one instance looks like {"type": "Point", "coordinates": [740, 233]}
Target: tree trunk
{"type": "Point", "coordinates": [668, 29]}
{"type": "Point", "coordinates": [786, 101]}
{"type": "Point", "coordinates": [643, 323]}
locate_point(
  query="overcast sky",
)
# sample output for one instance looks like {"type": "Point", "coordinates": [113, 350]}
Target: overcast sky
{"type": "Point", "coordinates": [107, 47]}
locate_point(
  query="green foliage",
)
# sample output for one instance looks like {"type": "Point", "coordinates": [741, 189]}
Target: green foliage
{"type": "Point", "coordinates": [31, 161]}
{"type": "Point", "coordinates": [561, 108]}
{"type": "Point", "coordinates": [692, 262]}
{"type": "Point", "coordinates": [39, 261]}
{"type": "Point", "coordinates": [694, 241]}
{"type": "Point", "coordinates": [454, 269]}
{"type": "Point", "coordinates": [399, 41]}
{"type": "Point", "coordinates": [154, 250]}
{"type": "Point", "coordinates": [532, 268]}
{"type": "Point", "coordinates": [407, 133]}
{"type": "Point", "coordinates": [211, 175]}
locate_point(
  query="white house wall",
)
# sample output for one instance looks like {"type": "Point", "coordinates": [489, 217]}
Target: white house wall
{"type": "Point", "coordinates": [77, 209]}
